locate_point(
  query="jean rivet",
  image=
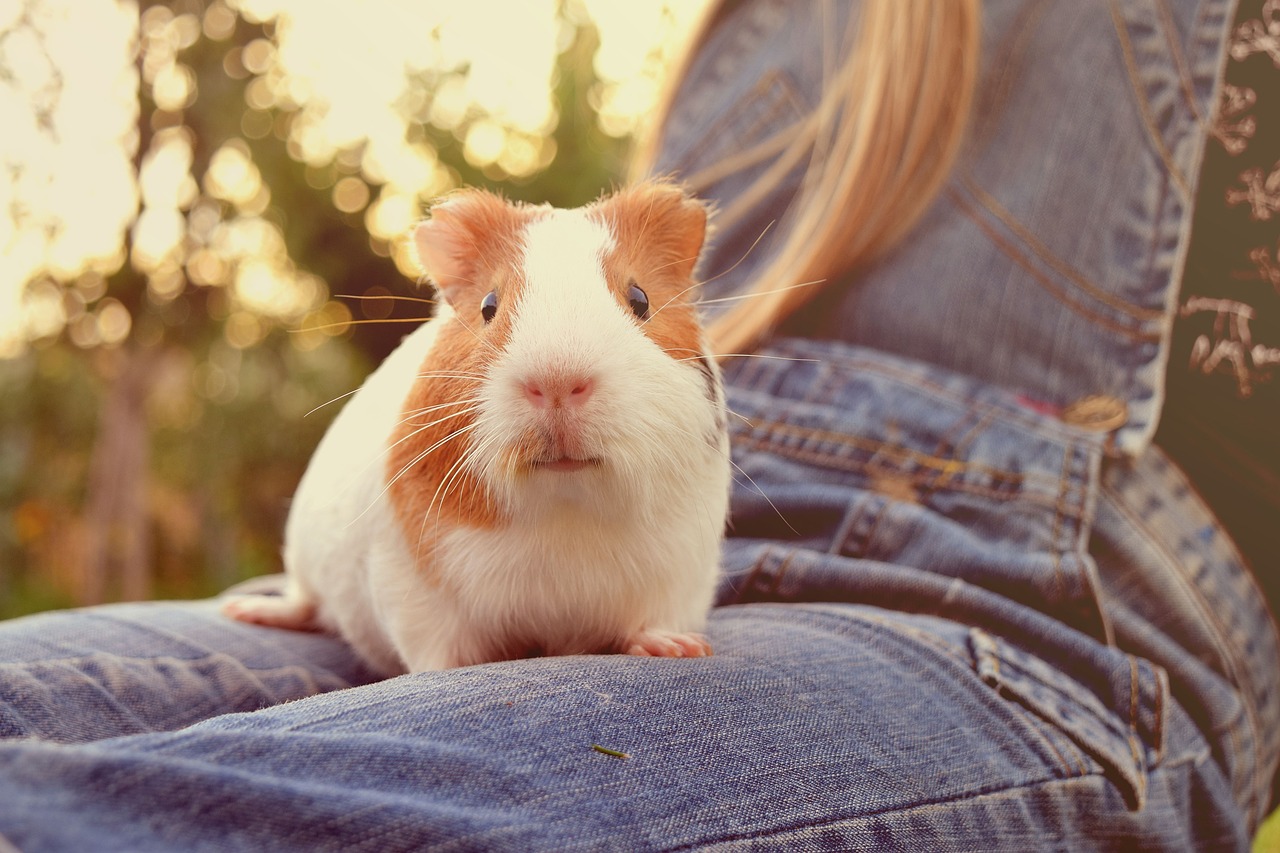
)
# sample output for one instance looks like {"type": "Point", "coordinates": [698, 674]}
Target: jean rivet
{"type": "Point", "coordinates": [1097, 413]}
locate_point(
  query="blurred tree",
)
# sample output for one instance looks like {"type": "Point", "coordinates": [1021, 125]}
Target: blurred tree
{"type": "Point", "coordinates": [218, 329]}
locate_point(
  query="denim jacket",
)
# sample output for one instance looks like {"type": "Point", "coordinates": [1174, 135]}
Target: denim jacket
{"type": "Point", "coordinates": [992, 385]}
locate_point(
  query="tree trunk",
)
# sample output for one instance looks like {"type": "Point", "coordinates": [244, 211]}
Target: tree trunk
{"type": "Point", "coordinates": [117, 543]}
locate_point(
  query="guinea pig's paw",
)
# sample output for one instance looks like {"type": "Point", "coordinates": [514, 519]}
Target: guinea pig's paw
{"type": "Point", "coordinates": [667, 644]}
{"type": "Point", "coordinates": [273, 610]}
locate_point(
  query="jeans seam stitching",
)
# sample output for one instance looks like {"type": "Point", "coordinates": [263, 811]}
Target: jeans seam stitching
{"type": "Point", "coordinates": [1055, 549]}
{"type": "Point", "coordinates": [958, 449]}
{"type": "Point", "coordinates": [833, 462]}
{"type": "Point", "coordinates": [833, 822]}
{"type": "Point", "coordinates": [960, 426]}
{"type": "Point", "coordinates": [1041, 742]}
{"type": "Point", "coordinates": [1169, 30]}
{"type": "Point", "coordinates": [1144, 107]}
{"type": "Point", "coordinates": [1237, 674]}
{"type": "Point", "coordinates": [1135, 749]}
{"type": "Point", "coordinates": [956, 653]}
{"type": "Point", "coordinates": [98, 656]}
{"type": "Point", "coordinates": [1049, 286]}
{"type": "Point", "coordinates": [917, 458]}
{"type": "Point", "coordinates": [1108, 720]}
{"type": "Point", "coordinates": [878, 509]}
{"type": "Point", "coordinates": [1162, 687]}
{"type": "Point", "coordinates": [849, 526]}
{"type": "Point", "coordinates": [1137, 312]}
{"type": "Point", "coordinates": [1050, 734]}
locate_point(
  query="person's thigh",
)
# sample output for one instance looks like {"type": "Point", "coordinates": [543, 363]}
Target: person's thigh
{"type": "Point", "coordinates": [82, 675]}
{"type": "Point", "coordinates": [814, 726]}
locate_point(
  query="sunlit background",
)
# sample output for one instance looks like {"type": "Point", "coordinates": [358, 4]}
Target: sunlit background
{"type": "Point", "coordinates": [202, 213]}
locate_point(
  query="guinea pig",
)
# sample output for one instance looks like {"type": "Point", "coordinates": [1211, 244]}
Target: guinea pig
{"type": "Point", "coordinates": [542, 468]}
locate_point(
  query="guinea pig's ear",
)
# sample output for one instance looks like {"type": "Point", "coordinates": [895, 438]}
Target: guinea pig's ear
{"type": "Point", "coordinates": [469, 235]}
{"type": "Point", "coordinates": [663, 218]}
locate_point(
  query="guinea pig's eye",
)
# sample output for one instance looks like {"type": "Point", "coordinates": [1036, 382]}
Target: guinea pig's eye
{"type": "Point", "coordinates": [489, 306]}
{"type": "Point", "coordinates": [638, 301]}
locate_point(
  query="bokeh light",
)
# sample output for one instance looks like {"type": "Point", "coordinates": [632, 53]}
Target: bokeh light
{"type": "Point", "coordinates": [69, 112]}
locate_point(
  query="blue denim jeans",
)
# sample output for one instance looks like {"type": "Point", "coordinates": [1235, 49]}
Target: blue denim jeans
{"type": "Point", "coordinates": [957, 613]}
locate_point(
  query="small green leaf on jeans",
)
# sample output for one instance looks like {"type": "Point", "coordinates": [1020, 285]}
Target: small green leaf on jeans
{"type": "Point", "coordinates": [598, 748]}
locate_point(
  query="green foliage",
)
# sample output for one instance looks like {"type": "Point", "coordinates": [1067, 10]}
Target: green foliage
{"type": "Point", "coordinates": [1268, 839]}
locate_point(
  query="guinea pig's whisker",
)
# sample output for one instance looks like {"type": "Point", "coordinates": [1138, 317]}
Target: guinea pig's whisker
{"type": "Point", "coordinates": [383, 296]}
{"type": "Point", "coordinates": [440, 442]}
{"type": "Point", "coordinates": [760, 491]}
{"type": "Point", "coordinates": [493, 349]}
{"type": "Point", "coordinates": [755, 486]}
{"type": "Point", "coordinates": [441, 493]}
{"type": "Point", "coordinates": [720, 355]}
{"type": "Point", "coordinates": [331, 402]}
{"type": "Point", "coordinates": [460, 401]}
{"type": "Point", "coordinates": [344, 323]}
{"type": "Point", "coordinates": [753, 294]}
{"type": "Point", "coordinates": [452, 480]}
{"type": "Point", "coordinates": [418, 458]}
{"type": "Point", "coordinates": [735, 298]}
{"type": "Point", "coordinates": [429, 424]}
{"type": "Point", "coordinates": [410, 414]}
{"type": "Point", "coordinates": [648, 217]}
{"type": "Point", "coordinates": [450, 374]}
{"type": "Point", "coordinates": [447, 483]}
{"type": "Point", "coordinates": [676, 262]}
{"type": "Point", "coordinates": [745, 255]}
{"type": "Point", "coordinates": [664, 305]}
{"type": "Point", "coordinates": [728, 411]}
{"type": "Point", "coordinates": [715, 277]}
{"type": "Point", "coordinates": [440, 375]}
{"type": "Point", "coordinates": [378, 458]}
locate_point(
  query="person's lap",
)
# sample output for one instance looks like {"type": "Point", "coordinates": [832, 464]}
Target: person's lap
{"type": "Point", "coordinates": [84, 675]}
{"type": "Point", "coordinates": [953, 705]}
{"type": "Point", "coordinates": [814, 723]}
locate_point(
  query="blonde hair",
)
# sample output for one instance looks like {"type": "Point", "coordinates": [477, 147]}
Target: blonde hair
{"type": "Point", "coordinates": [880, 144]}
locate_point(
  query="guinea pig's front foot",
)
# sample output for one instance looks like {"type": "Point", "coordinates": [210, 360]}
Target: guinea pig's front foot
{"type": "Point", "coordinates": [667, 644]}
{"type": "Point", "coordinates": [274, 611]}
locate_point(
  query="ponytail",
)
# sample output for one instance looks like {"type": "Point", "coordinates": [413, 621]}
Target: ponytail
{"type": "Point", "coordinates": [881, 143]}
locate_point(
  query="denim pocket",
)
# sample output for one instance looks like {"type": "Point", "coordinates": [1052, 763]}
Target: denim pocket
{"type": "Point", "coordinates": [1117, 721]}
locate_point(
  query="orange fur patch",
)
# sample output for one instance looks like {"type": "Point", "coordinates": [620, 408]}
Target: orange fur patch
{"type": "Point", "coordinates": [658, 234]}
{"type": "Point", "coordinates": [471, 236]}
{"type": "Point", "coordinates": [431, 482]}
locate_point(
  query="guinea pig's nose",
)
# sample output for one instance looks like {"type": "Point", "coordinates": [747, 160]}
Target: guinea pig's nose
{"type": "Point", "coordinates": [554, 391]}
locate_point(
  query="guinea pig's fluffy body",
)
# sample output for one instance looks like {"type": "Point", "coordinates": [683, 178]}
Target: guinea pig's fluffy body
{"type": "Point", "coordinates": [542, 468]}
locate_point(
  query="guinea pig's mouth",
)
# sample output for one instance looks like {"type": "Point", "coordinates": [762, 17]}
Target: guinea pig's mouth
{"type": "Point", "coordinates": [565, 464]}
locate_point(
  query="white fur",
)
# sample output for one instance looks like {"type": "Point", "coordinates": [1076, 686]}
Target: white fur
{"type": "Point", "coordinates": [582, 561]}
